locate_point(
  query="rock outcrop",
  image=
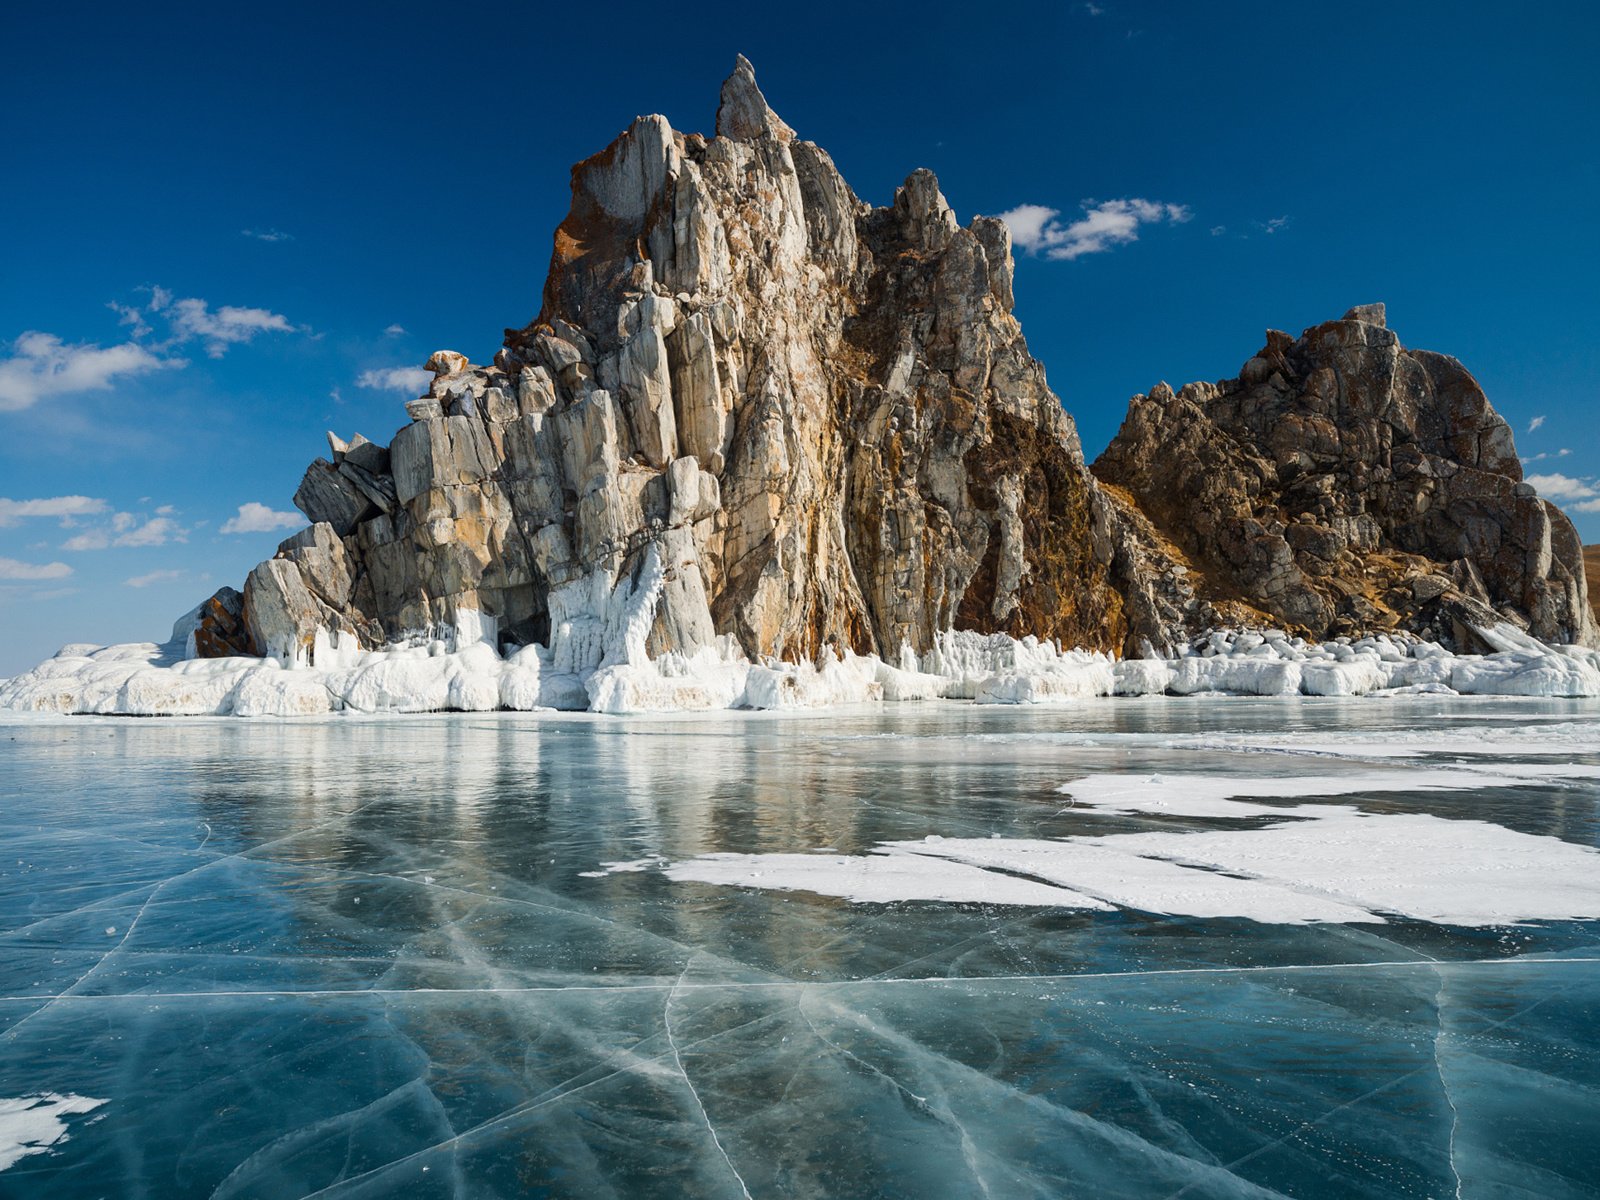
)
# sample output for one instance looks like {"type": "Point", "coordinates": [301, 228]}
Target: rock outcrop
{"type": "Point", "coordinates": [755, 408]}
{"type": "Point", "coordinates": [1344, 484]}
{"type": "Point", "coordinates": [751, 405]}
{"type": "Point", "coordinates": [1591, 569]}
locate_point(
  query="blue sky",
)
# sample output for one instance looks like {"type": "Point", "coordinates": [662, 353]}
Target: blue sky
{"type": "Point", "coordinates": [222, 227]}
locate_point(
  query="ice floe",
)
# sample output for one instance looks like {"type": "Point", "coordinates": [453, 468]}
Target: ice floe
{"type": "Point", "coordinates": [1342, 866]}
{"type": "Point", "coordinates": [1206, 795]}
{"type": "Point", "coordinates": [463, 669]}
{"type": "Point", "coordinates": [34, 1124]}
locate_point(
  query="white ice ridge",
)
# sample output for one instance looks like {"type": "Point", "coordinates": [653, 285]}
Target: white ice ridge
{"type": "Point", "coordinates": [601, 666]}
{"type": "Point", "coordinates": [1343, 867]}
{"type": "Point", "coordinates": [33, 1124]}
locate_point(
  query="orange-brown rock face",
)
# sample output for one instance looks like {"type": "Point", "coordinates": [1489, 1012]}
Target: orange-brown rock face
{"type": "Point", "coordinates": [1344, 484]}
{"type": "Point", "coordinates": [1591, 569]}
{"type": "Point", "coordinates": [752, 405]}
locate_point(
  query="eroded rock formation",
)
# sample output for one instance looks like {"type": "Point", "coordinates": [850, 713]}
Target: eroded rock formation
{"type": "Point", "coordinates": [753, 406]}
{"type": "Point", "coordinates": [1344, 484]}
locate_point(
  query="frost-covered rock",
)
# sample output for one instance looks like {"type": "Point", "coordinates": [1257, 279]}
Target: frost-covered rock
{"type": "Point", "coordinates": [146, 679]}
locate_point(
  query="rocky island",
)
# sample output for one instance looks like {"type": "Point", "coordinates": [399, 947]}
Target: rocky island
{"type": "Point", "coordinates": [766, 445]}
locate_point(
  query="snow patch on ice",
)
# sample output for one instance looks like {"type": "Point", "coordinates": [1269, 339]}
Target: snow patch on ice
{"type": "Point", "coordinates": [1207, 795]}
{"type": "Point", "coordinates": [34, 1124]}
{"type": "Point", "coordinates": [1345, 867]}
{"type": "Point", "coordinates": [884, 876]}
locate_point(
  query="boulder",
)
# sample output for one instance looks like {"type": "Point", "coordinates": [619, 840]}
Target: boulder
{"type": "Point", "coordinates": [326, 494]}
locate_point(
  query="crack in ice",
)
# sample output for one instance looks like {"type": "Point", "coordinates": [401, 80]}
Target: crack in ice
{"type": "Point", "coordinates": [796, 984]}
{"type": "Point", "coordinates": [677, 1057]}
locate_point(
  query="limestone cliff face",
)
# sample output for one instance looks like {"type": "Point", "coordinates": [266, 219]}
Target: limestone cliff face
{"type": "Point", "coordinates": [751, 405]}
{"type": "Point", "coordinates": [1344, 484]}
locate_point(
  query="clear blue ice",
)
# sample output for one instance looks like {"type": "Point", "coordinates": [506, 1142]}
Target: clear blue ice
{"type": "Point", "coordinates": [374, 957]}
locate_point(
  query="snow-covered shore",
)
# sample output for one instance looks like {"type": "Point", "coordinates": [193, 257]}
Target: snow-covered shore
{"type": "Point", "coordinates": [458, 673]}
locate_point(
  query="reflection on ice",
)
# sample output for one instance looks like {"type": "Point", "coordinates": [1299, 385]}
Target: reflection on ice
{"type": "Point", "coordinates": [480, 955]}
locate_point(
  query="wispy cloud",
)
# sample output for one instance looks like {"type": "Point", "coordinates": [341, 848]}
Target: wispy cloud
{"type": "Point", "coordinates": [227, 326]}
{"type": "Point", "coordinates": [1540, 457]}
{"type": "Point", "coordinates": [42, 364]}
{"type": "Point", "coordinates": [130, 529]}
{"type": "Point", "coordinates": [254, 517]}
{"type": "Point", "coordinates": [157, 531]}
{"type": "Point", "coordinates": [1564, 487]}
{"type": "Point", "coordinates": [39, 365]}
{"type": "Point", "coordinates": [267, 235]}
{"type": "Point", "coordinates": [153, 577]}
{"type": "Point", "coordinates": [11, 568]}
{"type": "Point", "coordinates": [63, 508]}
{"type": "Point", "coordinates": [192, 319]}
{"type": "Point", "coordinates": [1104, 224]}
{"type": "Point", "coordinates": [1535, 423]}
{"type": "Point", "coordinates": [394, 331]}
{"type": "Point", "coordinates": [396, 379]}
{"type": "Point", "coordinates": [1273, 224]}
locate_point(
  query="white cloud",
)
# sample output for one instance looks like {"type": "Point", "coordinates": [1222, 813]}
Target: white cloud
{"type": "Point", "coordinates": [227, 326]}
{"type": "Point", "coordinates": [1218, 230]}
{"type": "Point", "coordinates": [1275, 224]}
{"type": "Point", "coordinates": [267, 235]}
{"type": "Point", "coordinates": [130, 529]}
{"type": "Point", "coordinates": [1563, 487]}
{"type": "Point", "coordinates": [1109, 223]}
{"type": "Point", "coordinates": [397, 379]}
{"type": "Point", "coordinates": [1588, 506]}
{"type": "Point", "coordinates": [93, 539]}
{"type": "Point", "coordinates": [1544, 454]}
{"type": "Point", "coordinates": [153, 577]}
{"type": "Point", "coordinates": [41, 365]}
{"type": "Point", "coordinates": [258, 518]}
{"type": "Point", "coordinates": [1535, 423]}
{"type": "Point", "coordinates": [10, 568]}
{"type": "Point", "coordinates": [394, 331]}
{"type": "Point", "coordinates": [157, 531]}
{"type": "Point", "coordinates": [193, 319]}
{"type": "Point", "coordinates": [64, 507]}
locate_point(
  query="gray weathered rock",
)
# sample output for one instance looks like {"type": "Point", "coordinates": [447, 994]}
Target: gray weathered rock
{"type": "Point", "coordinates": [327, 495]}
{"type": "Point", "coordinates": [1344, 484]}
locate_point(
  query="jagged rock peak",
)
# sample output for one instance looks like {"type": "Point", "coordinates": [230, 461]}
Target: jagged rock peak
{"type": "Point", "coordinates": [751, 406]}
{"type": "Point", "coordinates": [1372, 314]}
{"type": "Point", "coordinates": [756, 411]}
{"type": "Point", "coordinates": [744, 115]}
{"type": "Point", "coordinates": [1343, 483]}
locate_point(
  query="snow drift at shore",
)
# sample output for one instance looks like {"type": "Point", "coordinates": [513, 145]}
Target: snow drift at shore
{"type": "Point", "coordinates": [461, 673]}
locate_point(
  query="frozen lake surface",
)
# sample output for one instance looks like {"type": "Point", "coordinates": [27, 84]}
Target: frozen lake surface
{"type": "Point", "coordinates": [1142, 948]}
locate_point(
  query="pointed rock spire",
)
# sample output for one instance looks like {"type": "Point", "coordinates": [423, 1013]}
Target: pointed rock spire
{"type": "Point", "coordinates": [743, 114]}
